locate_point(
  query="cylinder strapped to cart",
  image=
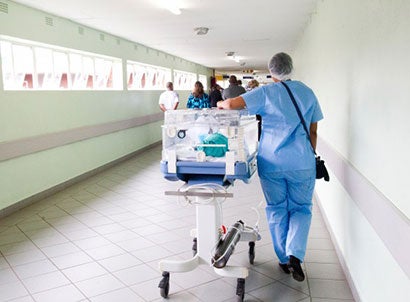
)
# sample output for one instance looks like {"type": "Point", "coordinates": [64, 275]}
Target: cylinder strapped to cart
{"type": "Point", "coordinates": [214, 145]}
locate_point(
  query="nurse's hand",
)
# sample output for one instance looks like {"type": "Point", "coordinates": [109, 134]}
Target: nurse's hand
{"type": "Point", "coordinates": [220, 104]}
{"type": "Point", "coordinates": [234, 103]}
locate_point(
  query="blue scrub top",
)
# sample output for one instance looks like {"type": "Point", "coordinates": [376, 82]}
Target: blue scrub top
{"type": "Point", "coordinates": [284, 145]}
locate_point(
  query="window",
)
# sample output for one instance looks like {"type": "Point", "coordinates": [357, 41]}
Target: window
{"type": "Point", "coordinates": [23, 64]}
{"type": "Point", "coordinates": [44, 67]}
{"type": "Point", "coordinates": [146, 77]}
{"type": "Point", "coordinates": [7, 63]}
{"type": "Point", "coordinates": [35, 66]}
{"type": "Point", "coordinates": [184, 80]}
{"type": "Point", "coordinates": [204, 80]}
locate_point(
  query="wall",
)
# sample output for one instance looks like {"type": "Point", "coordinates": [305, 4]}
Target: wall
{"type": "Point", "coordinates": [28, 118]}
{"type": "Point", "coordinates": [355, 56]}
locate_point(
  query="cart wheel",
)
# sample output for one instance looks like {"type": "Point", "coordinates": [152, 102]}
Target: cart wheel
{"type": "Point", "coordinates": [164, 285]}
{"type": "Point", "coordinates": [194, 246]}
{"type": "Point", "coordinates": [240, 290]}
{"type": "Point", "coordinates": [251, 252]}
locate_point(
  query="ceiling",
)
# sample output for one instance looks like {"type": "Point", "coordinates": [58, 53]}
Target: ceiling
{"type": "Point", "coordinates": [254, 30]}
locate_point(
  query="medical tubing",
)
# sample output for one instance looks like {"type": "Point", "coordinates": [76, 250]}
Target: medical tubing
{"type": "Point", "coordinates": [257, 213]}
{"type": "Point", "coordinates": [208, 187]}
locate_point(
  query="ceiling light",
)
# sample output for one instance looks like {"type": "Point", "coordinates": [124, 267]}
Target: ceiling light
{"type": "Point", "coordinates": [175, 10]}
{"type": "Point", "coordinates": [172, 6]}
{"type": "Point", "coordinates": [201, 30]}
{"type": "Point", "coordinates": [235, 58]}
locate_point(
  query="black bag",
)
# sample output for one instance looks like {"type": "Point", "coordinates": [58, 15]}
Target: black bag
{"type": "Point", "coordinates": [321, 171]}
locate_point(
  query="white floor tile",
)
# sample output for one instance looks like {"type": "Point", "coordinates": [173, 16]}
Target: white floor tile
{"type": "Point", "coordinates": [99, 285]}
{"type": "Point", "coordinates": [321, 256]}
{"type": "Point", "coordinates": [278, 292]}
{"type": "Point", "coordinates": [214, 291]}
{"type": "Point", "coordinates": [181, 297]}
{"type": "Point", "coordinates": [101, 240]}
{"type": "Point", "coordinates": [66, 293]}
{"type": "Point", "coordinates": [136, 274]}
{"type": "Point", "coordinates": [71, 260]}
{"type": "Point", "coordinates": [335, 289]}
{"type": "Point", "coordinates": [92, 242]}
{"type": "Point", "coordinates": [3, 263]}
{"type": "Point", "coordinates": [45, 282]}
{"type": "Point", "coordinates": [152, 253]}
{"type": "Point", "coordinates": [325, 271]}
{"type": "Point", "coordinates": [34, 269]}
{"type": "Point", "coordinates": [121, 236]}
{"type": "Point", "coordinates": [84, 272]}
{"type": "Point", "coordinates": [150, 291]}
{"type": "Point", "coordinates": [60, 249]}
{"type": "Point", "coordinates": [22, 299]}
{"type": "Point", "coordinates": [12, 290]}
{"type": "Point", "coordinates": [26, 257]}
{"type": "Point", "coordinates": [7, 275]}
{"type": "Point", "coordinates": [135, 244]}
{"type": "Point", "coordinates": [119, 262]}
{"type": "Point", "coordinates": [123, 295]}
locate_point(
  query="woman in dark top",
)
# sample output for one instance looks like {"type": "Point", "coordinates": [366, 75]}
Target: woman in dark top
{"type": "Point", "coordinates": [215, 95]}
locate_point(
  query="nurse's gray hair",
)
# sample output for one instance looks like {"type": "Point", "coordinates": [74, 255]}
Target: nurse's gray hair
{"type": "Point", "coordinates": [281, 66]}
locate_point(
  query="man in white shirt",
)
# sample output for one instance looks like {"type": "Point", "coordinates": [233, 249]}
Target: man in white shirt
{"type": "Point", "coordinates": [169, 99]}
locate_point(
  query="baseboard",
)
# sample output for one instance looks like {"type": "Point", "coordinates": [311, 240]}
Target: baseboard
{"type": "Point", "coordinates": [64, 185]}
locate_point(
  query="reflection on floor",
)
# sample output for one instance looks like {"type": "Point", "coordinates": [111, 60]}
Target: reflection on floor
{"type": "Point", "coordinates": [101, 240]}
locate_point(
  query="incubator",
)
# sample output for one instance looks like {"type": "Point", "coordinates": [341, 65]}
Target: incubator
{"type": "Point", "coordinates": [220, 144]}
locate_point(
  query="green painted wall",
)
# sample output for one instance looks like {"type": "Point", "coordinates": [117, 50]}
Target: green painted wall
{"type": "Point", "coordinates": [25, 114]}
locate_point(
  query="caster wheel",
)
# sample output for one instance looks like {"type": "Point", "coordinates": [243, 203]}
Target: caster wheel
{"type": "Point", "coordinates": [164, 285]}
{"type": "Point", "coordinates": [240, 290]}
{"type": "Point", "coordinates": [251, 252]}
{"type": "Point", "coordinates": [164, 291]}
{"type": "Point", "coordinates": [240, 299]}
{"type": "Point", "coordinates": [194, 247]}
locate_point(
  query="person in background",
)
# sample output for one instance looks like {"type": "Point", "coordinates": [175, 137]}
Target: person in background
{"type": "Point", "coordinates": [169, 99]}
{"type": "Point", "coordinates": [252, 84]}
{"type": "Point", "coordinates": [215, 95]}
{"type": "Point", "coordinates": [198, 99]}
{"type": "Point", "coordinates": [239, 82]}
{"type": "Point", "coordinates": [286, 159]}
{"type": "Point", "coordinates": [233, 90]}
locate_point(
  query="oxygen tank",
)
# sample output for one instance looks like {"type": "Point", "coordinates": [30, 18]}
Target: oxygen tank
{"type": "Point", "coordinates": [226, 245]}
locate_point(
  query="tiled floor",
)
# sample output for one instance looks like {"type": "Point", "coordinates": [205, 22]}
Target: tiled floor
{"type": "Point", "coordinates": [101, 240]}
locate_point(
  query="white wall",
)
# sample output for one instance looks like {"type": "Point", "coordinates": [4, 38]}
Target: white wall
{"type": "Point", "coordinates": [33, 114]}
{"type": "Point", "coordinates": [356, 57]}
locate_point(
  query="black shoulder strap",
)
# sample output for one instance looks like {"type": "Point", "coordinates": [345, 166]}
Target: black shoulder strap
{"type": "Point", "coordinates": [298, 111]}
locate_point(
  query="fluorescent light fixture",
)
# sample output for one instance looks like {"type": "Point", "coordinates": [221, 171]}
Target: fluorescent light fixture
{"type": "Point", "coordinates": [201, 30]}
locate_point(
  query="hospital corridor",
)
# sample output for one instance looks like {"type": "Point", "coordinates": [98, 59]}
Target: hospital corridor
{"type": "Point", "coordinates": [120, 183]}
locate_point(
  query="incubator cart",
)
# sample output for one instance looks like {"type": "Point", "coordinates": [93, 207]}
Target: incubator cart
{"type": "Point", "coordinates": [209, 149]}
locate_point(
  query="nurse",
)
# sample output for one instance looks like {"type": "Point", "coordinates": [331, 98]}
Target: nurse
{"type": "Point", "coordinates": [286, 160]}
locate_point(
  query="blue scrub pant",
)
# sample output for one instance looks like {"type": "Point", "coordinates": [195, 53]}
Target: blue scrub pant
{"type": "Point", "coordinates": [289, 210]}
